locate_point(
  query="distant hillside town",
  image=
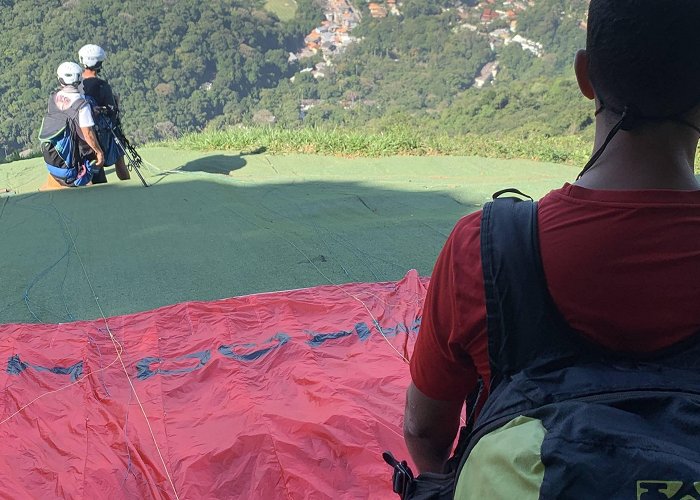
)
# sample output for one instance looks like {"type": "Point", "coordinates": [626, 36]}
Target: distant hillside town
{"type": "Point", "coordinates": [333, 36]}
{"type": "Point", "coordinates": [496, 19]}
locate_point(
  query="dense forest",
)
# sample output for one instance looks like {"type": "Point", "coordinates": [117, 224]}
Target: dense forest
{"type": "Point", "coordinates": [183, 65]}
{"type": "Point", "coordinates": [175, 63]}
{"type": "Point", "coordinates": [420, 68]}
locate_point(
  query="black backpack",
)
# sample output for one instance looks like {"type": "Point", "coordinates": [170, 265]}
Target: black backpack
{"type": "Point", "coordinates": [566, 418]}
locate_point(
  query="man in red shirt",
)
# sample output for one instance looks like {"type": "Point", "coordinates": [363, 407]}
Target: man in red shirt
{"type": "Point", "coordinates": [620, 247]}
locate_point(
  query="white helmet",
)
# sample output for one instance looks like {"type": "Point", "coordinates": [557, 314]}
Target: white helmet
{"type": "Point", "coordinates": [91, 56]}
{"type": "Point", "coordinates": [69, 73]}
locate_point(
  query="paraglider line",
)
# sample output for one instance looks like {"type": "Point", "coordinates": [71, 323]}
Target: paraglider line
{"type": "Point", "coordinates": [118, 348]}
{"type": "Point", "coordinates": [376, 321]}
{"type": "Point", "coordinates": [38, 277]}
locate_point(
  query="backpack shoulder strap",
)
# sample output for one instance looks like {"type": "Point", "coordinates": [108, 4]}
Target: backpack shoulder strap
{"type": "Point", "coordinates": [524, 325]}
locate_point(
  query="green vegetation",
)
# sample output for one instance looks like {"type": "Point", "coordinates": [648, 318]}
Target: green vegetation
{"type": "Point", "coordinates": [220, 77]}
{"type": "Point", "coordinates": [176, 65]}
{"type": "Point", "coordinates": [285, 9]}
{"type": "Point", "coordinates": [420, 68]}
{"type": "Point", "coordinates": [398, 140]}
{"type": "Point", "coordinates": [184, 67]}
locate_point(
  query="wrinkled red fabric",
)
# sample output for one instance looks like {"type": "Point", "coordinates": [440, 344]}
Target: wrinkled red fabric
{"type": "Point", "coordinates": [280, 395]}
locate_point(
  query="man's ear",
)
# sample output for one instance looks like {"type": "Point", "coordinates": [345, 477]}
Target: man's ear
{"type": "Point", "coordinates": [582, 74]}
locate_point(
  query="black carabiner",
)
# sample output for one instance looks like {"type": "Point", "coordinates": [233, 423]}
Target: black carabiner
{"type": "Point", "coordinates": [402, 479]}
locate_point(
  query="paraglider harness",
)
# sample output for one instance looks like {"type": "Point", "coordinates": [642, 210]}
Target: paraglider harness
{"type": "Point", "coordinates": [65, 160]}
{"type": "Point", "coordinates": [107, 118]}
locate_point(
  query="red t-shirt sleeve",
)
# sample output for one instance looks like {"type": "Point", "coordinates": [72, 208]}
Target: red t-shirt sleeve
{"type": "Point", "coordinates": [451, 351]}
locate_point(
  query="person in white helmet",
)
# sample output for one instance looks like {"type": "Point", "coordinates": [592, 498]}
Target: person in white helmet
{"type": "Point", "coordinates": [100, 92]}
{"type": "Point", "coordinates": [70, 146]}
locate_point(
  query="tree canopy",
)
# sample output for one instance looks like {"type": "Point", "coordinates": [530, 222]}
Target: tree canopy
{"type": "Point", "coordinates": [175, 64]}
{"type": "Point", "coordinates": [183, 65]}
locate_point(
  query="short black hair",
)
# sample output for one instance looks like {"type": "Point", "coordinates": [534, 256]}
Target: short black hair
{"type": "Point", "coordinates": [645, 55]}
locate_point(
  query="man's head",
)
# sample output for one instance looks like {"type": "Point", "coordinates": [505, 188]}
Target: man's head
{"type": "Point", "coordinates": [644, 55]}
{"type": "Point", "coordinates": [91, 57]}
{"type": "Point", "coordinates": [69, 74]}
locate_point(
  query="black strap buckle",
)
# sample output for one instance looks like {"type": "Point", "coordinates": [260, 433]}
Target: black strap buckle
{"type": "Point", "coordinates": [402, 479]}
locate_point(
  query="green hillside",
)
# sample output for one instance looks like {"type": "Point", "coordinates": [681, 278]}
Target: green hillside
{"type": "Point", "coordinates": [176, 65]}
{"type": "Point", "coordinates": [184, 66]}
{"type": "Point", "coordinates": [423, 65]}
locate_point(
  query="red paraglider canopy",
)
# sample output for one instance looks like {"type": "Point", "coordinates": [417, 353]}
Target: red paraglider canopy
{"type": "Point", "coordinates": [280, 395]}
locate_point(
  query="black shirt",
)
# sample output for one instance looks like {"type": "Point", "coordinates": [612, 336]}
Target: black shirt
{"type": "Point", "coordinates": [99, 90]}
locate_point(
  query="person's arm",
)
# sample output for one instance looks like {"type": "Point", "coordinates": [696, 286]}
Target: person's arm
{"type": "Point", "coordinates": [430, 428]}
{"type": "Point", "coordinates": [86, 124]}
{"type": "Point", "coordinates": [450, 353]}
{"type": "Point", "coordinates": [91, 140]}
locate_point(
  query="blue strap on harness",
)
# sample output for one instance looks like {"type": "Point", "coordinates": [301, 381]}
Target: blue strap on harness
{"type": "Point", "coordinates": [74, 177]}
